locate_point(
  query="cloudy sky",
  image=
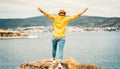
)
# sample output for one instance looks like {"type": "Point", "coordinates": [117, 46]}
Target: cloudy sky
{"type": "Point", "coordinates": [28, 8]}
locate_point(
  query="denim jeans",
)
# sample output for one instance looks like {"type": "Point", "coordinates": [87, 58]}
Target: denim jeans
{"type": "Point", "coordinates": [55, 43]}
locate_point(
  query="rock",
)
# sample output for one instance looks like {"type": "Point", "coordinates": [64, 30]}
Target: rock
{"type": "Point", "coordinates": [72, 64]}
{"type": "Point", "coordinates": [68, 63]}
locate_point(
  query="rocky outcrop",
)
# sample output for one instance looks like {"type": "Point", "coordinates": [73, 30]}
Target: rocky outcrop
{"type": "Point", "coordinates": [68, 63]}
{"type": "Point", "coordinates": [5, 34]}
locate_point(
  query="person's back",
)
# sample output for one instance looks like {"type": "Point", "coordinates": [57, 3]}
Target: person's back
{"type": "Point", "coordinates": [60, 21]}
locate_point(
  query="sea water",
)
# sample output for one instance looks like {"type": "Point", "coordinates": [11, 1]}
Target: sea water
{"type": "Point", "coordinates": [99, 48]}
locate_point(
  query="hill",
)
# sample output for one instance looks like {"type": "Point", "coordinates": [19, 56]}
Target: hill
{"type": "Point", "coordinates": [84, 21]}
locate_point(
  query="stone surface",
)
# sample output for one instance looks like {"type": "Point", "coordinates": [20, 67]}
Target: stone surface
{"type": "Point", "coordinates": [68, 63]}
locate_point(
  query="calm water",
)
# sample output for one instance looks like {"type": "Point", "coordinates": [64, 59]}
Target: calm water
{"type": "Point", "coordinates": [101, 49]}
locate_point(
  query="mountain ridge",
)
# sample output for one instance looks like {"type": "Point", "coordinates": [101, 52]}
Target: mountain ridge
{"type": "Point", "coordinates": [84, 21]}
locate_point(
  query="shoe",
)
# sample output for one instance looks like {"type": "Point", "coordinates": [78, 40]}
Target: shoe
{"type": "Point", "coordinates": [53, 58]}
{"type": "Point", "coordinates": [54, 61]}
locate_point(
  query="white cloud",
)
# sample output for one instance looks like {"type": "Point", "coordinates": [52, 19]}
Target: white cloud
{"type": "Point", "coordinates": [27, 8]}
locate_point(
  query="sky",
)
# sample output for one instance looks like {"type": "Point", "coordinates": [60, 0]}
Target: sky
{"type": "Point", "coordinates": [28, 8]}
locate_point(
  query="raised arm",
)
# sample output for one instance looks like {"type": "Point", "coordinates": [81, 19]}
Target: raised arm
{"type": "Point", "coordinates": [77, 15]}
{"type": "Point", "coordinates": [83, 11]}
{"type": "Point", "coordinates": [41, 10]}
{"type": "Point", "coordinates": [46, 14]}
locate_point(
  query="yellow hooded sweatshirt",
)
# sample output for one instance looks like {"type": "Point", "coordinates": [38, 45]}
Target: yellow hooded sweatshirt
{"type": "Point", "coordinates": [60, 23]}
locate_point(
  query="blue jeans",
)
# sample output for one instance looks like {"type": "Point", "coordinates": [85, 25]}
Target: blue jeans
{"type": "Point", "coordinates": [55, 43]}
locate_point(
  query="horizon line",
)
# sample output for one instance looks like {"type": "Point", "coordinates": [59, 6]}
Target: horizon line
{"type": "Point", "coordinates": [55, 14]}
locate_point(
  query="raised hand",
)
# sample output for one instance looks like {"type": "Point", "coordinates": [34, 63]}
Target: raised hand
{"type": "Point", "coordinates": [85, 9]}
{"type": "Point", "coordinates": [40, 9]}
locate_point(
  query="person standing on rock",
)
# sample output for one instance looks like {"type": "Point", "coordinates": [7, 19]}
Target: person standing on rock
{"type": "Point", "coordinates": [59, 32]}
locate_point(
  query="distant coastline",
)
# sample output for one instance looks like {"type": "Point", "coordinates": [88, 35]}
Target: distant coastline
{"type": "Point", "coordinates": [37, 31]}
